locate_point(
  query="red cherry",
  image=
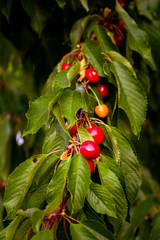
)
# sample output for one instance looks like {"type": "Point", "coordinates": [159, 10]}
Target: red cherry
{"type": "Point", "coordinates": [91, 165]}
{"type": "Point", "coordinates": [73, 129]}
{"type": "Point", "coordinates": [92, 75]}
{"type": "Point", "coordinates": [118, 40]}
{"type": "Point", "coordinates": [90, 150]}
{"type": "Point", "coordinates": [65, 66]}
{"type": "Point", "coordinates": [103, 90]}
{"type": "Point", "coordinates": [97, 133]}
{"type": "Point", "coordinates": [121, 27]}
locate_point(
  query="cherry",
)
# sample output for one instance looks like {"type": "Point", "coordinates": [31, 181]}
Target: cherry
{"type": "Point", "coordinates": [92, 75]}
{"type": "Point", "coordinates": [90, 150]}
{"type": "Point", "coordinates": [73, 129]}
{"type": "Point", "coordinates": [97, 133]}
{"type": "Point", "coordinates": [91, 165]}
{"type": "Point", "coordinates": [121, 27]}
{"type": "Point", "coordinates": [103, 90]}
{"type": "Point", "coordinates": [118, 40]}
{"type": "Point", "coordinates": [65, 66]}
{"type": "Point", "coordinates": [102, 110]}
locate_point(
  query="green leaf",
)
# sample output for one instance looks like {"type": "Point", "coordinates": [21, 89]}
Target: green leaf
{"type": "Point", "coordinates": [110, 181]}
{"type": "Point", "coordinates": [117, 57]}
{"type": "Point", "coordinates": [79, 232]}
{"type": "Point", "coordinates": [129, 165]}
{"type": "Point", "coordinates": [155, 233]}
{"type": "Point", "coordinates": [101, 200]}
{"type": "Point", "coordinates": [43, 235]}
{"type": "Point", "coordinates": [90, 230]}
{"type": "Point", "coordinates": [143, 76]}
{"type": "Point", "coordinates": [5, 7]}
{"type": "Point", "coordinates": [76, 32]}
{"type": "Point", "coordinates": [85, 4]}
{"type": "Point", "coordinates": [57, 185]}
{"type": "Point", "coordinates": [5, 131]}
{"type": "Point", "coordinates": [137, 38]}
{"type": "Point", "coordinates": [55, 139]}
{"type": "Point", "coordinates": [19, 182]}
{"type": "Point", "coordinates": [64, 78]}
{"type": "Point", "coordinates": [104, 40]}
{"type": "Point", "coordinates": [152, 30]}
{"type": "Point", "coordinates": [145, 9]}
{"type": "Point", "coordinates": [58, 114]}
{"type": "Point", "coordinates": [114, 167]}
{"type": "Point", "coordinates": [131, 96]}
{"type": "Point", "coordinates": [38, 197]}
{"type": "Point", "coordinates": [37, 114]}
{"type": "Point", "coordinates": [111, 143]}
{"type": "Point", "coordinates": [68, 104]}
{"type": "Point", "coordinates": [61, 3]}
{"type": "Point", "coordinates": [84, 135]}
{"type": "Point", "coordinates": [92, 51]}
{"type": "Point", "coordinates": [22, 230]}
{"type": "Point", "coordinates": [37, 218]}
{"type": "Point", "coordinates": [78, 181]}
{"type": "Point", "coordinates": [49, 161]}
{"type": "Point", "coordinates": [140, 210]}
{"type": "Point", "coordinates": [9, 232]}
{"type": "Point", "coordinates": [37, 15]}
{"type": "Point", "coordinates": [90, 214]}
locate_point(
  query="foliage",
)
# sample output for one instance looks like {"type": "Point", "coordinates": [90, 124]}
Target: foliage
{"type": "Point", "coordinates": [53, 194]}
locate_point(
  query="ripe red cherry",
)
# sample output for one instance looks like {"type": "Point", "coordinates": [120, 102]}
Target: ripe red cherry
{"type": "Point", "coordinates": [103, 90]}
{"type": "Point", "coordinates": [73, 130]}
{"type": "Point", "coordinates": [65, 66]}
{"type": "Point", "coordinates": [91, 165]}
{"type": "Point", "coordinates": [92, 75]}
{"type": "Point", "coordinates": [90, 150]}
{"type": "Point", "coordinates": [97, 133]}
{"type": "Point", "coordinates": [118, 40]}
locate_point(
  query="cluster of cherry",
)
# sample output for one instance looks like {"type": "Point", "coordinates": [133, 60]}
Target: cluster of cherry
{"type": "Point", "coordinates": [91, 75]}
{"type": "Point", "coordinates": [90, 149]}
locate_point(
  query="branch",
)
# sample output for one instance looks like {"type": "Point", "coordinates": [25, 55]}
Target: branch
{"type": "Point", "coordinates": [57, 212]}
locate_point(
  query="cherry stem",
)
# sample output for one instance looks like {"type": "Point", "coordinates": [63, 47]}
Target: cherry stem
{"type": "Point", "coordinates": [57, 227]}
{"type": "Point", "coordinates": [108, 59]}
{"type": "Point", "coordinates": [68, 55]}
{"type": "Point", "coordinates": [88, 121]}
{"type": "Point", "coordinates": [64, 226]}
{"type": "Point", "coordinates": [57, 212]}
{"type": "Point", "coordinates": [89, 87]}
{"type": "Point", "coordinates": [56, 151]}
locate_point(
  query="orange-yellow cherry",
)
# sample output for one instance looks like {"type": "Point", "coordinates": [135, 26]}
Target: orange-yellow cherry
{"type": "Point", "coordinates": [102, 110]}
